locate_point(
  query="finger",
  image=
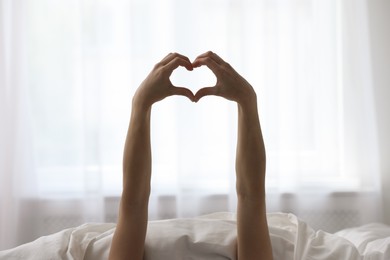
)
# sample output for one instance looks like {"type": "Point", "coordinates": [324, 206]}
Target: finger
{"type": "Point", "coordinates": [164, 60]}
{"type": "Point", "coordinates": [213, 56]}
{"type": "Point", "coordinates": [172, 56]}
{"type": "Point", "coordinates": [213, 91]}
{"type": "Point", "coordinates": [210, 63]}
{"type": "Point", "coordinates": [176, 62]}
{"type": "Point", "coordinates": [183, 92]}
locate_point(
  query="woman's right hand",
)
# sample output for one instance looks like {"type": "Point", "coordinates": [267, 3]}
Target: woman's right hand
{"type": "Point", "coordinates": [157, 84]}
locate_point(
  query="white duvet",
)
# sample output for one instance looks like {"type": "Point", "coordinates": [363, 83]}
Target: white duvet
{"type": "Point", "coordinates": [213, 237]}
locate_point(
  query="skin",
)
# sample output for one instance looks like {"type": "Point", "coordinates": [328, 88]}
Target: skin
{"type": "Point", "coordinates": [253, 241]}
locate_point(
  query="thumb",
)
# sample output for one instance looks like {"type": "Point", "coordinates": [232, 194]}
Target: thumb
{"type": "Point", "coordinates": [207, 91]}
{"type": "Point", "coordinates": [183, 92]}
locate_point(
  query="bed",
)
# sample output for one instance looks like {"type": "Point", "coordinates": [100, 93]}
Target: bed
{"type": "Point", "coordinates": [213, 237]}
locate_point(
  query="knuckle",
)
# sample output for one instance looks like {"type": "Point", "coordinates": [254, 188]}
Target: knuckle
{"type": "Point", "coordinates": [175, 61]}
{"type": "Point", "coordinates": [159, 71]}
{"type": "Point", "coordinates": [157, 65]}
{"type": "Point", "coordinates": [226, 65]}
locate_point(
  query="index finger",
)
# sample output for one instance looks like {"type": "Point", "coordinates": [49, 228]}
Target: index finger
{"type": "Point", "coordinates": [212, 55]}
{"type": "Point", "coordinates": [171, 56]}
{"type": "Point", "coordinates": [210, 63]}
{"type": "Point", "coordinates": [176, 62]}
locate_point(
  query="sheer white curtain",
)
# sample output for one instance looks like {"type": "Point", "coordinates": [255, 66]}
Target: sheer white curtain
{"type": "Point", "coordinates": [17, 174]}
{"type": "Point", "coordinates": [69, 69]}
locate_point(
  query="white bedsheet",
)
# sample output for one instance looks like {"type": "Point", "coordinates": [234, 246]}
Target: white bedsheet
{"type": "Point", "coordinates": [213, 237]}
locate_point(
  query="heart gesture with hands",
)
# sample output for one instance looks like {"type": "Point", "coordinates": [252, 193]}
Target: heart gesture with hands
{"type": "Point", "coordinates": [229, 85]}
{"type": "Point", "coordinates": [253, 241]}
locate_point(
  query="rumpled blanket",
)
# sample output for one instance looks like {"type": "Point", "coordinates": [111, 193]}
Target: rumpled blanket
{"type": "Point", "coordinates": [213, 237]}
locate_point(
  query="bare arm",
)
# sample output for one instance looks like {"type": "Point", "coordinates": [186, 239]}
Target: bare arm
{"type": "Point", "coordinates": [253, 241]}
{"type": "Point", "coordinates": [253, 236]}
{"type": "Point", "coordinates": [129, 237]}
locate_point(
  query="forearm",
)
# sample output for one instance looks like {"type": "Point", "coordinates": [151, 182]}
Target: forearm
{"type": "Point", "coordinates": [137, 157]}
{"type": "Point", "coordinates": [129, 237]}
{"type": "Point", "coordinates": [253, 235]}
{"type": "Point", "coordinates": [250, 154]}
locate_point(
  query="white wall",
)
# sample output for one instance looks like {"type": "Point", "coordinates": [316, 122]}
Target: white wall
{"type": "Point", "coordinates": [379, 18]}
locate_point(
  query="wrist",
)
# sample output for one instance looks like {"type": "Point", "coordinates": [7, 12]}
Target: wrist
{"type": "Point", "coordinates": [248, 106]}
{"type": "Point", "coordinates": [139, 104]}
{"type": "Point", "coordinates": [140, 113]}
{"type": "Point", "coordinates": [247, 98]}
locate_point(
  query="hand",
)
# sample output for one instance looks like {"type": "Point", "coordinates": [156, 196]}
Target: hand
{"type": "Point", "coordinates": [157, 84]}
{"type": "Point", "coordinates": [230, 84]}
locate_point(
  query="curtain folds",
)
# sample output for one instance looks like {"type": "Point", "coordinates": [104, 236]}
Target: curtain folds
{"type": "Point", "coordinates": [68, 70]}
